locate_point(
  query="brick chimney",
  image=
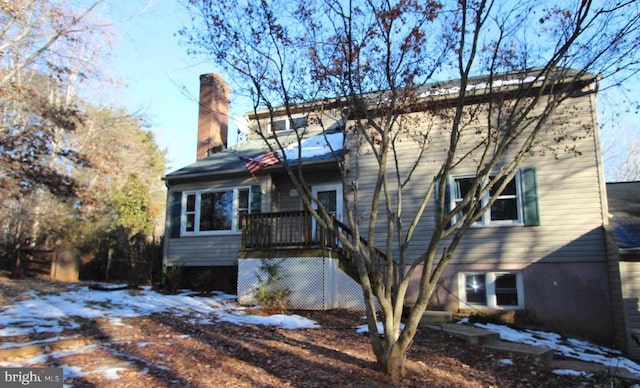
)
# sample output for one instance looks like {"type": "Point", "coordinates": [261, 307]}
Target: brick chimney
{"type": "Point", "coordinates": [213, 116]}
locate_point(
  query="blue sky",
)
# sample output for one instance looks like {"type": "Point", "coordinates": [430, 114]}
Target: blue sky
{"type": "Point", "coordinates": [161, 80]}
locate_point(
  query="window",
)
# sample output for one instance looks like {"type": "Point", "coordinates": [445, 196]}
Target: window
{"type": "Point", "coordinates": [476, 289]}
{"type": "Point", "coordinates": [214, 211]}
{"type": "Point", "coordinates": [516, 205]}
{"type": "Point", "coordinates": [288, 124]}
{"type": "Point", "coordinates": [461, 186]}
{"type": "Point", "coordinates": [506, 206]}
{"type": "Point", "coordinates": [496, 290]}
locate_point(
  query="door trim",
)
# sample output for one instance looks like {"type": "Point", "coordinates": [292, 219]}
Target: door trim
{"type": "Point", "coordinates": [328, 187]}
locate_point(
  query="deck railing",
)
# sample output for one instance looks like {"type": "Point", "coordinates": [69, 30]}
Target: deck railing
{"type": "Point", "coordinates": [292, 229]}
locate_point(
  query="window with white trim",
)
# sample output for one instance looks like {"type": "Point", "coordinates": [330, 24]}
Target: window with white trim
{"type": "Point", "coordinates": [494, 290]}
{"type": "Point", "coordinates": [506, 210]}
{"type": "Point", "coordinates": [214, 211]}
{"type": "Point", "coordinates": [287, 124]}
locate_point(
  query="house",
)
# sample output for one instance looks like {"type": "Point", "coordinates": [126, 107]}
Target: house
{"type": "Point", "coordinates": [220, 185]}
{"type": "Point", "coordinates": [624, 253]}
{"type": "Point", "coordinates": [540, 257]}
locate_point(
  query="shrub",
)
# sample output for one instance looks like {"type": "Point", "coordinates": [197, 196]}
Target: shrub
{"type": "Point", "coordinates": [172, 278]}
{"type": "Point", "coordinates": [269, 292]}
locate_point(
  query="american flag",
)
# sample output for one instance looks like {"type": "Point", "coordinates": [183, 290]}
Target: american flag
{"type": "Point", "coordinates": [257, 164]}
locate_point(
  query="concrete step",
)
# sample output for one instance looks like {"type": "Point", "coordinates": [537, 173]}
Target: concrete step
{"type": "Point", "coordinates": [473, 335]}
{"type": "Point", "coordinates": [605, 370]}
{"type": "Point", "coordinates": [538, 353]}
{"type": "Point", "coordinates": [433, 316]}
{"type": "Point", "coordinates": [491, 340]}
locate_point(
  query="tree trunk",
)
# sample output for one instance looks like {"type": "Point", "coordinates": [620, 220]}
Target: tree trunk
{"type": "Point", "coordinates": [392, 362]}
{"type": "Point", "coordinates": [109, 259]}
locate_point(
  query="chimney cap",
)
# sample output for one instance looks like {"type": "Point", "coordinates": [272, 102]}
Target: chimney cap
{"type": "Point", "coordinates": [212, 79]}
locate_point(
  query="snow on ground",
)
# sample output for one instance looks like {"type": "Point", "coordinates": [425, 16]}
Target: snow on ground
{"type": "Point", "coordinates": [567, 347]}
{"type": "Point", "coordinates": [53, 313]}
{"type": "Point", "coordinates": [364, 329]}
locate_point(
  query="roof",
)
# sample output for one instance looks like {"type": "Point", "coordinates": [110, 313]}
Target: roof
{"type": "Point", "coordinates": [316, 147]}
{"type": "Point", "coordinates": [501, 81]}
{"type": "Point", "coordinates": [477, 86]}
{"type": "Point", "coordinates": [624, 213]}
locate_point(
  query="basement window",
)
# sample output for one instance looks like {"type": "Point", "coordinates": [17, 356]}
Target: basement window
{"type": "Point", "coordinates": [493, 290]}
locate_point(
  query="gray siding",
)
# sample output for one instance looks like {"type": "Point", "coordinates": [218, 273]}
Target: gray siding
{"type": "Point", "coordinates": [568, 298]}
{"type": "Point", "coordinates": [218, 250]}
{"type": "Point", "coordinates": [283, 187]}
{"type": "Point", "coordinates": [620, 330]}
{"type": "Point", "coordinates": [204, 251]}
{"type": "Point", "coordinates": [563, 261]}
{"type": "Point", "coordinates": [569, 192]}
{"type": "Point", "coordinates": [630, 278]}
{"type": "Point", "coordinates": [222, 250]}
{"type": "Point", "coordinates": [285, 199]}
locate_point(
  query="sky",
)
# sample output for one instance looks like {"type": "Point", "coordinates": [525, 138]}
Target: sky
{"type": "Point", "coordinates": [162, 81]}
{"type": "Point", "coordinates": [50, 315]}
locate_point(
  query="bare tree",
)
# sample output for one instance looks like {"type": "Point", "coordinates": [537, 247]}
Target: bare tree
{"type": "Point", "coordinates": [372, 60]}
{"type": "Point", "coordinates": [630, 167]}
{"type": "Point", "coordinates": [49, 49]}
{"type": "Point", "coordinates": [64, 161]}
{"type": "Point", "coordinates": [618, 111]}
{"type": "Point", "coordinates": [38, 35]}
{"type": "Point", "coordinates": [622, 151]}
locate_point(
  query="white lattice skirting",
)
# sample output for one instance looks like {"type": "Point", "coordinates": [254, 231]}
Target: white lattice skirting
{"type": "Point", "coordinates": [316, 283]}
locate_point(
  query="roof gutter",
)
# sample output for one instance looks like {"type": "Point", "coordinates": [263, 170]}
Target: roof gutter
{"type": "Point", "coordinates": [240, 171]}
{"type": "Point", "coordinates": [428, 97]}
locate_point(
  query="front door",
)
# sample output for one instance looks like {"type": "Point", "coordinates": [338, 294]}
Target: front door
{"type": "Point", "coordinates": [330, 195]}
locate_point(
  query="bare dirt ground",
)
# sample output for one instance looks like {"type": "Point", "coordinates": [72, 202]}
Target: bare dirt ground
{"type": "Point", "coordinates": [163, 350]}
